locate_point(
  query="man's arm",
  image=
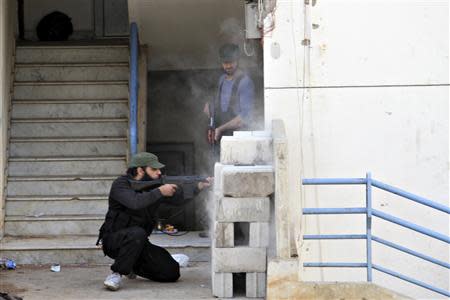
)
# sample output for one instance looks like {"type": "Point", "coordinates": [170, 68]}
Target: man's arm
{"type": "Point", "coordinates": [233, 124]}
{"type": "Point", "coordinates": [122, 192]}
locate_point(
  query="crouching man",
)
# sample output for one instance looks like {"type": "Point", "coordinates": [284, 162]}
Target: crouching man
{"type": "Point", "coordinates": [130, 220]}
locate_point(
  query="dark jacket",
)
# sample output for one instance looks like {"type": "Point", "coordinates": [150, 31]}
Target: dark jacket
{"type": "Point", "coordinates": [127, 208]}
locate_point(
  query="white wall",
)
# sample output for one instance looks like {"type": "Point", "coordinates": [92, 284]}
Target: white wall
{"type": "Point", "coordinates": [187, 34]}
{"type": "Point", "coordinates": [81, 12]}
{"type": "Point", "coordinates": [377, 102]}
{"type": "Point", "coordinates": [7, 44]}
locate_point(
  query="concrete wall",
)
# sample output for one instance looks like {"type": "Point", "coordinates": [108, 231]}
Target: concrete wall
{"type": "Point", "coordinates": [7, 44]}
{"type": "Point", "coordinates": [370, 93]}
{"type": "Point", "coordinates": [81, 12]}
{"type": "Point", "coordinates": [187, 34]}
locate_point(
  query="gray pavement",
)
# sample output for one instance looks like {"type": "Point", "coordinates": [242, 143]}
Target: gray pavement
{"type": "Point", "coordinates": [86, 282]}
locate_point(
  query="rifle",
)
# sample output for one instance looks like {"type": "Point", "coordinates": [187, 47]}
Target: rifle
{"type": "Point", "coordinates": [212, 128]}
{"type": "Point", "coordinates": [142, 185]}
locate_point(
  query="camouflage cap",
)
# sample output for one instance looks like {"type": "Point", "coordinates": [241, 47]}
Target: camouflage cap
{"type": "Point", "coordinates": [145, 159]}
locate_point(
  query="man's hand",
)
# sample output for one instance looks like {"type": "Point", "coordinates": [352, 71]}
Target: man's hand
{"type": "Point", "coordinates": [217, 134]}
{"type": "Point", "coordinates": [202, 185]}
{"type": "Point", "coordinates": [211, 136]}
{"type": "Point", "coordinates": [206, 110]}
{"type": "Point", "coordinates": [167, 190]}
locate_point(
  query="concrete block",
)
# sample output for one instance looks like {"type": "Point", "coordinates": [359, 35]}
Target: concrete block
{"type": "Point", "coordinates": [255, 285]}
{"type": "Point", "coordinates": [223, 235]}
{"type": "Point", "coordinates": [243, 209]}
{"type": "Point", "coordinates": [239, 260]}
{"type": "Point", "coordinates": [245, 181]}
{"type": "Point", "coordinates": [259, 234]}
{"type": "Point", "coordinates": [246, 150]}
{"type": "Point", "coordinates": [265, 134]}
{"type": "Point", "coordinates": [222, 285]}
{"type": "Point", "coordinates": [218, 169]}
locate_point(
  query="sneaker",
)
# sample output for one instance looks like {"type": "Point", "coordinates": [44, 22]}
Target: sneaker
{"type": "Point", "coordinates": [131, 275]}
{"type": "Point", "coordinates": [112, 282]}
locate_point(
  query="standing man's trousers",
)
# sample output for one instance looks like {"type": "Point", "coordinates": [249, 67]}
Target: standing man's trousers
{"type": "Point", "coordinates": [132, 252]}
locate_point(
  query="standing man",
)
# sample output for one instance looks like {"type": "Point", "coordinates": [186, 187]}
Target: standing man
{"type": "Point", "coordinates": [232, 107]}
{"type": "Point", "coordinates": [130, 220]}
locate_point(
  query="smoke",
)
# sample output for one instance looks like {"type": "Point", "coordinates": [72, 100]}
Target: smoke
{"type": "Point", "coordinates": [176, 100]}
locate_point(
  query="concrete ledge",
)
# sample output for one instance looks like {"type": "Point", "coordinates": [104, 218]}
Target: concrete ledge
{"type": "Point", "coordinates": [246, 181]}
{"type": "Point", "coordinates": [243, 209]}
{"type": "Point", "coordinates": [284, 289]}
{"type": "Point", "coordinates": [239, 260]}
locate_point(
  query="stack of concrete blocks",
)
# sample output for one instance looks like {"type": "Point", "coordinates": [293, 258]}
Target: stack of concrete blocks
{"type": "Point", "coordinates": [244, 181]}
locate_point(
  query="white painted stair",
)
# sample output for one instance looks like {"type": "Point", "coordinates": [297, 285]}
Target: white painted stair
{"type": "Point", "coordinates": [68, 142]}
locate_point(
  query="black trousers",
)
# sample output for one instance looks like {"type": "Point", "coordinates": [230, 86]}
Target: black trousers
{"type": "Point", "coordinates": [132, 251]}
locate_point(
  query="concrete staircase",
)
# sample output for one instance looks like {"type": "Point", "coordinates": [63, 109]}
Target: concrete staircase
{"type": "Point", "coordinates": [68, 141]}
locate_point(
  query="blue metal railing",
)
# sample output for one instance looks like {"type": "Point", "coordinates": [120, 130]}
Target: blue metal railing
{"type": "Point", "coordinates": [369, 212]}
{"type": "Point", "coordinates": [134, 86]}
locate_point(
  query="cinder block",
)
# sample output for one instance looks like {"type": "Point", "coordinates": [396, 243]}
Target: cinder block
{"type": "Point", "coordinates": [249, 149]}
{"type": "Point", "coordinates": [222, 285]}
{"type": "Point", "coordinates": [223, 235]}
{"type": "Point", "coordinates": [255, 285]}
{"type": "Point", "coordinates": [246, 181]}
{"type": "Point", "coordinates": [239, 260]}
{"type": "Point", "coordinates": [243, 209]}
{"type": "Point", "coordinates": [259, 234]}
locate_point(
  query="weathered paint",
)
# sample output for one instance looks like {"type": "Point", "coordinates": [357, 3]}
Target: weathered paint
{"type": "Point", "coordinates": [368, 94]}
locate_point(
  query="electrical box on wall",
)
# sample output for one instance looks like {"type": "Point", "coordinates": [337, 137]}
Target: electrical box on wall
{"type": "Point", "coordinates": [251, 21]}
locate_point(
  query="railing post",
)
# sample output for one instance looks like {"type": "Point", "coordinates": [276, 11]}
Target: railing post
{"type": "Point", "coordinates": [369, 225]}
{"type": "Point", "coordinates": [134, 85]}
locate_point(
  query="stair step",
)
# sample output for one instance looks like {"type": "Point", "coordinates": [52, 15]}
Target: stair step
{"type": "Point", "coordinates": [81, 249]}
{"type": "Point", "coordinates": [69, 110]}
{"type": "Point", "coordinates": [68, 101]}
{"type": "Point", "coordinates": [72, 54]}
{"type": "Point", "coordinates": [74, 146]}
{"type": "Point", "coordinates": [71, 90]}
{"type": "Point", "coordinates": [53, 225]}
{"type": "Point", "coordinates": [40, 207]}
{"type": "Point", "coordinates": [72, 166]}
{"type": "Point", "coordinates": [59, 186]}
{"type": "Point", "coordinates": [71, 72]}
{"type": "Point", "coordinates": [33, 128]}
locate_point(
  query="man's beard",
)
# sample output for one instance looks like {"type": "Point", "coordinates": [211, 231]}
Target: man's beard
{"type": "Point", "coordinates": [146, 177]}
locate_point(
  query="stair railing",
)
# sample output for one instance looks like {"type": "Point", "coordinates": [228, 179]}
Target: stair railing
{"type": "Point", "coordinates": [369, 237]}
{"type": "Point", "coordinates": [133, 86]}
